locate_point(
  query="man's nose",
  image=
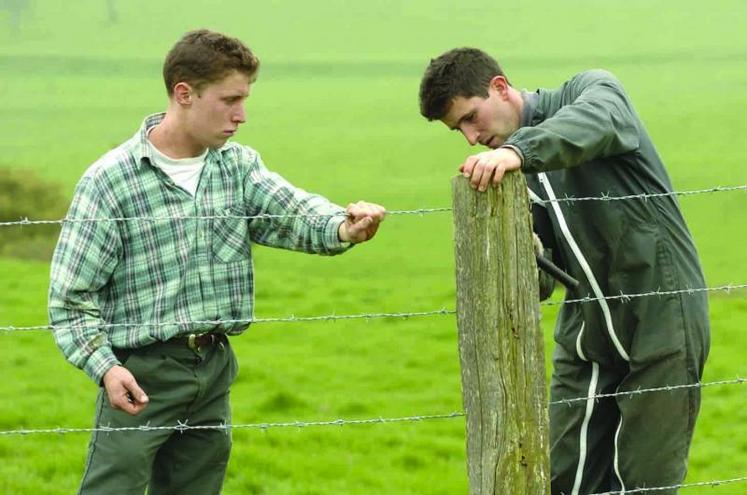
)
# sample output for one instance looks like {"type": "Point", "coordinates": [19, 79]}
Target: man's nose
{"type": "Point", "coordinates": [470, 135]}
{"type": "Point", "coordinates": [240, 115]}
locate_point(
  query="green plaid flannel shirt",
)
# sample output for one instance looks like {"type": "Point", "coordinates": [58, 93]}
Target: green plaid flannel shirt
{"type": "Point", "coordinates": [130, 283]}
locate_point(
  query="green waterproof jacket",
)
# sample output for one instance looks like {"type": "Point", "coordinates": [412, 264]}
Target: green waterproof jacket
{"type": "Point", "coordinates": [581, 140]}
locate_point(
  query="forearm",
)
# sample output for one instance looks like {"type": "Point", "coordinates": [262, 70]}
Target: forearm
{"type": "Point", "coordinates": [81, 338]}
{"type": "Point", "coordinates": [297, 220]}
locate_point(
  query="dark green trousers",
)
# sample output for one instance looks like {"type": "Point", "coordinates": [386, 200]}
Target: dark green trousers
{"type": "Point", "coordinates": [630, 441]}
{"type": "Point", "coordinates": [183, 386]}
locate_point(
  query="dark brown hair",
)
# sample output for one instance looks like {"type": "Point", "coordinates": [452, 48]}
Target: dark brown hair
{"type": "Point", "coordinates": [202, 57]}
{"type": "Point", "coordinates": [462, 72]}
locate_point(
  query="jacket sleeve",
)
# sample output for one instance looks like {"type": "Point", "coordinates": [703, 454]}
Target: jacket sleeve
{"type": "Point", "coordinates": [595, 120]}
{"type": "Point", "coordinates": [297, 220]}
{"type": "Point", "coordinates": [84, 259]}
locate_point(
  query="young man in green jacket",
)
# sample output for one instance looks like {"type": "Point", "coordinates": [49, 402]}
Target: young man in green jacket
{"type": "Point", "coordinates": [584, 139]}
{"type": "Point", "coordinates": [144, 297]}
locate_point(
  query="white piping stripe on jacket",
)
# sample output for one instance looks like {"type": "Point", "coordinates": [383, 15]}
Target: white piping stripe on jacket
{"type": "Point", "coordinates": [584, 265]}
{"type": "Point", "coordinates": [617, 455]}
{"type": "Point", "coordinates": [579, 351]}
{"type": "Point", "coordinates": [585, 428]}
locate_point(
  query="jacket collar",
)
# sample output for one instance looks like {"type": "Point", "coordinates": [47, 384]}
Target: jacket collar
{"type": "Point", "coordinates": [529, 111]}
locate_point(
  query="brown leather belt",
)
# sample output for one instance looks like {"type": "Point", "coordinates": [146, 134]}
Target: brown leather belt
{"type": "Point", "coordinates": [197, 341]}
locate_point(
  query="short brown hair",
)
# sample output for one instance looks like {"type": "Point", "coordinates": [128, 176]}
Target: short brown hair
{"type": "Point", "coordinates": [462, 72]}
{"type": "Point", "coordinates": [202, 57]}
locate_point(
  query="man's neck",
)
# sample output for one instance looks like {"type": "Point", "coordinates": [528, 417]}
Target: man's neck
{"type": "Point", "coordinates": [172, 140]}
{"type": "Point", "coordinates": [516, 100]}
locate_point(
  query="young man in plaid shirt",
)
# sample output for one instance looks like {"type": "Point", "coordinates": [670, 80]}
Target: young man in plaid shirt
{"type": "Point", "coordinates": [142, 298]}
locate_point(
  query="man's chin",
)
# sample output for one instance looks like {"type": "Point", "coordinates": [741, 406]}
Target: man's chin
{"type": "Point", "coordinates": [219, 142]}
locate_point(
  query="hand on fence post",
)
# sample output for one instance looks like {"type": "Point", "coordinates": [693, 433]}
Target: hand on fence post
{"type": "Point", "coordinates": [489, 166]}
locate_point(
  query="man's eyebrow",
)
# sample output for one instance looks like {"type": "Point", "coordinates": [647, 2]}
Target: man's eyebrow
{"type": "Point", "coordinates": [234, 96]}
{"type": "Point", "coordinates": [460, 121]}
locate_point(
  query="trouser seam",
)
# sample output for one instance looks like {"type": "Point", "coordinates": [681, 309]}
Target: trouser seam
{"type": "Point", "coordinates": [94, 438]}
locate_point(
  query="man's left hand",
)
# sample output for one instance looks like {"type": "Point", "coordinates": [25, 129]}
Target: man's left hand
{"type": "Point", "coordinates": [362, 222]}
{"type": "Point", "coordinates": [489, 166]}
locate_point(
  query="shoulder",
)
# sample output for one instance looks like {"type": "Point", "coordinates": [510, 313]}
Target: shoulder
{"type": "Point", "coordinates": [112, 162]}
{"type": "Point", "coordinates": [242, 155]}
{"type": "Point", "coordinates": [595, 77]}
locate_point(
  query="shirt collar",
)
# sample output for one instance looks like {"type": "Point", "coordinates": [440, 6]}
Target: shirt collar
{"type": "Point", "coordinates": [143, 149]}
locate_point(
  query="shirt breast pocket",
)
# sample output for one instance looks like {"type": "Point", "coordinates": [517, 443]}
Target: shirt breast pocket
{"type": "Point", "coordinates": [230, 236]}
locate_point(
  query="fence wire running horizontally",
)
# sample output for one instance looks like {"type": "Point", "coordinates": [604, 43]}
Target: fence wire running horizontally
{"type": "Point", "coordinates": [363, 316]}
{"type": "Point", "coordinates": [675, 487]}
{"type": "Point", "coordinates": [419, 211]}
{"type": "Point", "coordinates": [182, 426]}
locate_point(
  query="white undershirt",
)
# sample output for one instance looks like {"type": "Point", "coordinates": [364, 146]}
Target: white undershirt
{"type": "Point", "coordinates": [185, 172]}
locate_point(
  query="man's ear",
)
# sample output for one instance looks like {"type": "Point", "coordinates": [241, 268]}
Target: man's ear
{"type": "Point", "coordinates": [500, 84]}
{"type": "Point", "coordinates": [183, 93]}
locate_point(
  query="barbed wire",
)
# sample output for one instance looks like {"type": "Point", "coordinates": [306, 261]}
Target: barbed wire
{"type": "Point", "coordinates": [674, 487]}
{"type": "Point", "coordinates": [419, 211]}
{"type": "Point", "coordinates": [284, 319]}
{"type": "Point", "coordinates": [666, 388]}
{"type": "Point", "coordinates": [261, 216]}
{"type": "Point", "coordinates": [645, 196]}
{"type": "Point", "coordinates": [626, 297]}
{"type": "Point", "coordinates": [361, 316]}
{"type": "Point", "coordinates": [183, 425]}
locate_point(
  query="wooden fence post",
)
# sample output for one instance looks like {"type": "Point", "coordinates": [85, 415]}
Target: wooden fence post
{"type": "Point", "coordinates": [500, 342]}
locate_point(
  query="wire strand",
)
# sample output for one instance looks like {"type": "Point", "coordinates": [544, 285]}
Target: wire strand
{"type": "Point", "coordinates": [183, 425]}
{"type": "Point", "coordinates": [674, 487]}
{"type": "Point", "coordinates": [667, 388]}
{"type": "Point", "coordinates": [419, 211]}
{"type": "Point", "coordinates": [363, 316]}
{"type": "Point", "coordinates": [26, 221]}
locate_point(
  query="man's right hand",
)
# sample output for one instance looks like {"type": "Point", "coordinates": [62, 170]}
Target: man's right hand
{"type": "Point", "coordinates": [123, 391]}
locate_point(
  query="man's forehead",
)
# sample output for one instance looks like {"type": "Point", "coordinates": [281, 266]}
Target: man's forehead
{"type": "Point", "coordinates": [234, 84]}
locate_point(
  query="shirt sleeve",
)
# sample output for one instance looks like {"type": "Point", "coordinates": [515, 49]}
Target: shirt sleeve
{"type": "Point", "coordinates": [297, 220]}
{"type": "Point", "coordinates": [597, 121]}
{"type": "Point", "coordinates": [84, 259]}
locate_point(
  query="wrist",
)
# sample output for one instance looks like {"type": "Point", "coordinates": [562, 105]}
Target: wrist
{"type": "Point", "coordinates": [517, 152]}
{"type": "Point", "coordinates": [342, 232]}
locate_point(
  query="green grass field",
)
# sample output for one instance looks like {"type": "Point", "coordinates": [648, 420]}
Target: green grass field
{"type": "Point", "coordinates": [335, 111]}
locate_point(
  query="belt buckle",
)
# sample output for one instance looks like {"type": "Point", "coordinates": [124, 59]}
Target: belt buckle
{"type": "Point", "coordinates": [192, 342]}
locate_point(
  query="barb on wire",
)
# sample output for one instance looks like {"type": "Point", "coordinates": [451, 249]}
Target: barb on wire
{"type": "Point", "coordinates": [667, 388]}
{"type": "Point", "coordinates": [419, 211]}
{"type": "Point", "coordinates": [674, 487]}
{"type": "Point", "coordinates": [363, 316]}
{"type": "Point", "coordinates": [182, 426]}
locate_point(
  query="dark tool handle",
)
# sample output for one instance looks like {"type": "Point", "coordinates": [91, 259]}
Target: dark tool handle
{"type": "Point", "coordinates": [555, 272]}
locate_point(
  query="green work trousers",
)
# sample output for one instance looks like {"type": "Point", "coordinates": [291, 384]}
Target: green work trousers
{"type": "Point", "coordinates": [626, 442]}
{"type": "Point", "coordinates": [184, 386]}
